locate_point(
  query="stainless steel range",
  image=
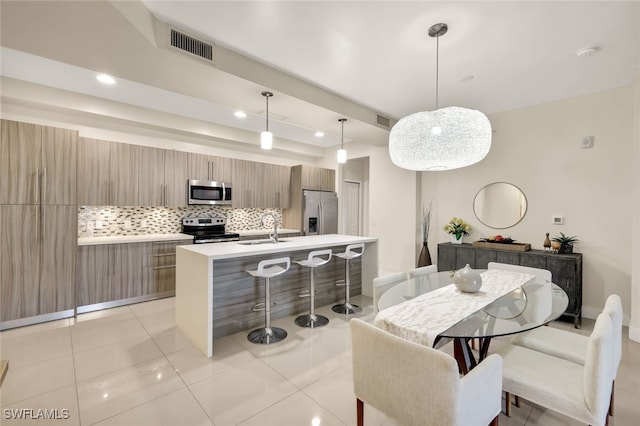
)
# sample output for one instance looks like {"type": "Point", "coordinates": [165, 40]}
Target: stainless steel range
{"type": "Point", "coordinates": [207, 230]}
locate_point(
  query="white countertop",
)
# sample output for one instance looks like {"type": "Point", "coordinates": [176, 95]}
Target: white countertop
{"type": "Point", "coordinates": [237, 249]}
{"type": "Point", "coordinates": [122, 239]}
{"type": "Point", "coordinates": [265, 231]}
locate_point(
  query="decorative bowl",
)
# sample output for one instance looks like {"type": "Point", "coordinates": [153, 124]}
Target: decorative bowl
{"type": "Point", "coordinates": [467, 280]}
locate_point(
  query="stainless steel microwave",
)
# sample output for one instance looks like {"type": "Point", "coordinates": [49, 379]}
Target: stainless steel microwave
{"type": "Point", "coordinates": [208, 192]}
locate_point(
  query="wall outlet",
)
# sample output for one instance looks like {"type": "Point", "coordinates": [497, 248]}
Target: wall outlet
{"type": "Point", "coordinates": [127, 224]}
{"type": "Point", "coordinates": [143, 223]}
{"type": "Point", "coordinates": [98, 224]}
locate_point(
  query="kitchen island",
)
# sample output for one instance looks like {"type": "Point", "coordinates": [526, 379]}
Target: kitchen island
{"type": "Point", "coordinates": [215, 295]}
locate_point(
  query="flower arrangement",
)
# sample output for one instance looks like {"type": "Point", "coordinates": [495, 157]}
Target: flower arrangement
{"type": "Point", "coordinates": [457, 227]}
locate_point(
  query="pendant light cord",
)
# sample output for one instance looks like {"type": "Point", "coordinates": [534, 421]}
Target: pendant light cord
{"type": "Point", "coordinates": [342, 137]}
{"type": "Point", "coordinates": [267, 113]}
{"type": "Point", "coordinates": [437, 66]}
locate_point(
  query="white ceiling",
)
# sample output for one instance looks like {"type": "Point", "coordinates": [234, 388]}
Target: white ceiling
{"type": "Point", "coordinates": [325, 60]}
{"type": "Point", "coordinates": [378, 53]}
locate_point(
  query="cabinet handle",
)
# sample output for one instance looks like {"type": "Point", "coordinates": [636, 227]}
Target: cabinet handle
{"type": "Point", "coordinates": [37, 185]}
{"type": "Point", "coordinates": [164, 254]}
{"type": "Point", "coordinates": [44, 185]}
{"type": "Point", "coordinates": [42, 225]}
{"type": "Point", "coordinates": [38, 224]}
{"type": "Point", "coordinates": [164, 267]}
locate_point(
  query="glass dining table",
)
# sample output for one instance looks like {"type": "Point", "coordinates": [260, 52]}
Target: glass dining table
{"type": "Point", "coordinates": [529, 306]}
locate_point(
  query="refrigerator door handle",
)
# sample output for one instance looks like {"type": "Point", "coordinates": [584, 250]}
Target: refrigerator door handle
{"type": "Point", "coordinates": [320, 219]}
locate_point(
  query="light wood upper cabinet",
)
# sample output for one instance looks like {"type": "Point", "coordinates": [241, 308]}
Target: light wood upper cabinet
{"type": "Point", "coordinates": [317, 178]}
{"type": "Point", "coordinates": [210, 167]}
{"type": "Point", "coordinates": [107, 173]}
{"type": "Point", "coordinates": [37, 164]}
{"type": "Point", "coordinates": [59, 158]}
{"type": "Point", "coordinates": [151, 176]}
{"type": "Point", "coordinates": [245, 189]}
{"type": "Point", "coordinates": [260, 185]}
{"type": "Point", "coordinates": [19, 164]}
{"type": "Point", "coordinates": [124, 160]}
{"type": "Point", "coordinates": [176, 175]}
{"type": "Point", "coordinates": [94, 173]}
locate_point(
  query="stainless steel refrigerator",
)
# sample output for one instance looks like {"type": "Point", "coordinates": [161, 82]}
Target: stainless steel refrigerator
{"type": "Point", "coordinates": [319, 212]}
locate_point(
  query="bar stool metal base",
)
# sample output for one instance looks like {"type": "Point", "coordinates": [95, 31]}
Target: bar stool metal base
{"type": "Point", "coordinates": [266, 336]}
{"type": "Point", "coordinates": [311, 321]}
{"type": "Point", "coordinates": [346, 308]}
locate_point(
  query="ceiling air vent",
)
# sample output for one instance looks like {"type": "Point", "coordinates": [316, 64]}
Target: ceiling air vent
{"type": "Point", "coordinates": [191, 45]}
{"type": "Point", "coordinates": [382, 120]}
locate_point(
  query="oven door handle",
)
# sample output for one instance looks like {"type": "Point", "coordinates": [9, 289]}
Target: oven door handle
{"type": "Point", "coordinates": [215, 240]}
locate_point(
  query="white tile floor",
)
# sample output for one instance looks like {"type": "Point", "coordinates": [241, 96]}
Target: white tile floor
{"type": "Point", "coordinates": [131, 366]}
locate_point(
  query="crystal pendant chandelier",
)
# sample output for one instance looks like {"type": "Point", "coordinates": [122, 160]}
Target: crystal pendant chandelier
{"type": "Point", "coordinates": [444, 139]}
{"type": "Point", "coordinates": [342, 153]}
{"type": "Point", "coordinates": [266, 137]}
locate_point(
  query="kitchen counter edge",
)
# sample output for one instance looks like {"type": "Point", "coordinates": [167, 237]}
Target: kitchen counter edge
{"type": "Point", "coordinates": [123, 239]}
{"type": "Point", "coordinates": [237, 249]}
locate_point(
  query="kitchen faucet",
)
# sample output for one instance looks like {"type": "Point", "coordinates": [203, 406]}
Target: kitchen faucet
{"type": "Point", "coordinates": [272, 236]}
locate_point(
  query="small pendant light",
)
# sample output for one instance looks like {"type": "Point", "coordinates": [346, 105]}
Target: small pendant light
{"type": "Point", "coordinates": [342, 153]}
{"type": "Point", "coordinates": [266, 137]}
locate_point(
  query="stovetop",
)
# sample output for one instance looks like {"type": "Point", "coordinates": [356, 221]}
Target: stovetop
{"type": "Point", "coordinates": [208, 230]}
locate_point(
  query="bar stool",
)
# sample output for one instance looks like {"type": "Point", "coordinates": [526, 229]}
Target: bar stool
{"type": "Point", "coordinates": [268, 269]}
{"type": "Point", "coordinates": [315, 259]}
{"type": "Point", "coordinates": [352, 251]}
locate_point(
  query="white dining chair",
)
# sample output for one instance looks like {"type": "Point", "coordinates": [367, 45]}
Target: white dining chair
{"type": "Point", "coordinates": [384, 283]}
{"type": "Point", "coordinates": [419, 385]}
{"type": "Point", "coordinates": [577, 391]}
{"type": "Point", "coordinates": [422, 271]}
{"type": "Point", "coordinates": [573, 346]}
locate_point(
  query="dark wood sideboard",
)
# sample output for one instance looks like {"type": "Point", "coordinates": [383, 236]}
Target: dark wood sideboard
{"type": "Point", "coordinates": [566, 269]}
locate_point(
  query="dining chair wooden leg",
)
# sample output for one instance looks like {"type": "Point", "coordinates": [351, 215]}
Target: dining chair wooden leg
{"type": "Point", "coordinates": [613, 385]}
{"type": "Point", "coordinates": [360, 412]}
{"type": "Point", "coordinates": [517, 401]}
{"type": "Point", "coordinates": [494, 422]}
{"type": "Point", "coordinates": [507, 404]}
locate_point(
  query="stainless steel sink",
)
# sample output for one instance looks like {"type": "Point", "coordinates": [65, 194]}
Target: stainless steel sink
{"type": "Point", "coordinates": [256, 242]}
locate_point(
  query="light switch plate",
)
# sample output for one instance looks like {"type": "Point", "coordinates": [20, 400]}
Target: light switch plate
{"type": "Point", "coordinates": [127, 224]}
{"type": "Point", "coordinates": [587, 142]}
{"type": "Point", "coordinates": [143, 223]}
{"type": "Point", "coordinates": [557, 219]}
{"type": "Point", "coordinates": [98, 224]}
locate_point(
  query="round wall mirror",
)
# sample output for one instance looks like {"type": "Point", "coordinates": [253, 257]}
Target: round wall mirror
{"type": "Point", "coordinates": [500, 205]}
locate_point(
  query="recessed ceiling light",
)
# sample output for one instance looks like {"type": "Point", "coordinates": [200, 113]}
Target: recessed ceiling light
{"type": "Point", "coordinates": [240, 114]}
{"type": "Point", "coordinates": [106, 79]}
{"type": "Point", "coordinates": [319, 134]}
{"type": "Point", "coordinates": [587, 51]}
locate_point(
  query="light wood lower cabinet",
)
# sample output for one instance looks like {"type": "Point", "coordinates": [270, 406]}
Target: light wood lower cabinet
{"type": "Point", "coordinates": [111, 272]}
{"type": "Point", "coordinates": [117, 272]}
{"type": "Point", "coordinates": [37, 267]}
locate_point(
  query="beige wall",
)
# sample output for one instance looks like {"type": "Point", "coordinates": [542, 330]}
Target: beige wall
{"type": "Point", "coordinates": [536, 149]}
{"type": "Point", "coordinates": [634, 323]}
{"type": "Point", "coordinates": [392, 200]}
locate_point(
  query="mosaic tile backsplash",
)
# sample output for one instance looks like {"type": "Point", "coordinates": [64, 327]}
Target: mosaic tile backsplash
{"type": "Point", "coordinates": [111, 221]}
